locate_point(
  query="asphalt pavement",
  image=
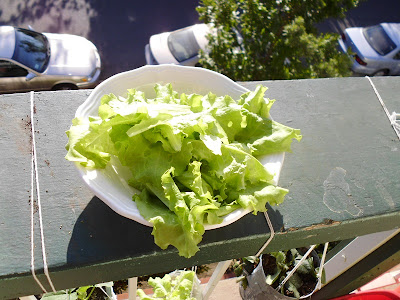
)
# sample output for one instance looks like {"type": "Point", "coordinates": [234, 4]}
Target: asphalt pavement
{"type": "Point", "coordinates": [367, 13]}
{"type": "Point", "coordinates": [121, 29]}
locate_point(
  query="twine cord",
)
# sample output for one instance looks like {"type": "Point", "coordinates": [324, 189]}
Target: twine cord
{"type": "Point", "coordinates": [271, 229]}
{"type": "Point", "coordinates": [392, 117]}
{"type": "Point", "coordinates": [319, 275]}
{"type": "Point", "coordinates": [108, 296]}
{"type": "Point", "coordinates": [322, 263]}
{"type": "Point", "coordinates": [296, 267]}
{"type": "Point", "coordinates": [32, 226]}
{"type": "Point", "coordinates": [35, 185]}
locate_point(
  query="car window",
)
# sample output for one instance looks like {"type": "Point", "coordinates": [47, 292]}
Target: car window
{"type": "Point", "coordinates": [379, 40]}
{"type": "Point", "coordinates": [31, 49]}
{"type": "Point", "coordinates": [9, 69]}
{"type": "Point", "coordinates": [183, 44]}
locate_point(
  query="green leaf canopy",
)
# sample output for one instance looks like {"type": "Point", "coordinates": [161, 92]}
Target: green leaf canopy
{"type": "Point", "coordinates": [265, 39]}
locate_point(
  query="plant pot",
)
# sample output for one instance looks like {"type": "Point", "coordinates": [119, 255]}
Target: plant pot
{"type": "Point", "coordinates": [259, 289]}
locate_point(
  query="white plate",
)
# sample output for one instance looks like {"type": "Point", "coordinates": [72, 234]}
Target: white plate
{"type": "Point", "coordinates": [110, 184]}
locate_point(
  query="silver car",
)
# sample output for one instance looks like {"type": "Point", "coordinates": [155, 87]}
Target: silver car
{"type": "Point", "coordinates": [30, 60]}
{"type": "Point", "coordinates": [180, 47]}
{"type": "Point", "coordinates": [375, 50]}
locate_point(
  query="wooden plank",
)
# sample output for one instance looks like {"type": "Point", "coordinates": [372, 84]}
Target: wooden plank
{"type": "Point", "coordinates": [342, 177]}
{"type": "Point", "coordinates": [389, 90]}
{"type": "Point", "coordinates": [344, 168]}
{"type": "Point", "coordinates": [15, 182]}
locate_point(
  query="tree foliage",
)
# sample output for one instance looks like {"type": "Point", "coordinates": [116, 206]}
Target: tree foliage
{"type": "Point", "coordinates": [273, 39]}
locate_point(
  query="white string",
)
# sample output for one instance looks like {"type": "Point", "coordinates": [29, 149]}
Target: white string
{"type": "Point", "coordinates": [35, 175]}
{"type": "Point", "coordinates": [319, 275]}
{"type": "Point", "coordinates": [321, 267]}
{"type": "Point", "coordinates": [32, 226]}
{"type": "Point", "coordinates": [296, 267]}
{"type": "Point", "coordinates": [394, 117]}
{"type": "Point", "coordinates": [322, 264]}
{"type": "Point", "coordinates": [108, 296]}
{"type": "Point", "coordinates": [390, 117]}
{"type": "Point", "coordinates": [271, 228]}
{"type": "Point", "coordinates": [194, 269]}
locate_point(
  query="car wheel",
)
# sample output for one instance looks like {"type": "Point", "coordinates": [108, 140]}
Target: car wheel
{"type": "Point", "coordinates": [381, 73]}
{"type": "Point", "coordinates": [65, 86]}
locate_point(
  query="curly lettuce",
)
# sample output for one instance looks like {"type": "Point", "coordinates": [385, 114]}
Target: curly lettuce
{"type": "Point", "coordinates": [192, 157]}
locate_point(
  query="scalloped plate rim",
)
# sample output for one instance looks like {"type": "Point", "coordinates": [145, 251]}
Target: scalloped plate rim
{"type": "Point", "coordinates": [93, 177]}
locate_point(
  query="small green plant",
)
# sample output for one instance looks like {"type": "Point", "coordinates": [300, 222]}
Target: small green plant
{"type": "Point", "coordinates": [178, 285]}
{"type": "Point", "coordinates": [98, 291]}
{"type": "Point", "coordinates": [276, 267]}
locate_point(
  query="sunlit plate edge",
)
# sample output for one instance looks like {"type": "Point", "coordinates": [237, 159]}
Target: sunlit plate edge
{"type": "Point", "coordinates": [98, 181]}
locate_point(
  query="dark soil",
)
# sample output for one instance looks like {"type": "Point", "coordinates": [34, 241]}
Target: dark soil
{"type": "Point", "coordinates": [269, 264]}
{"type": "Point", "coordinates": [309, 283]}
{"type": "Point", "coordinates": [269, 267]}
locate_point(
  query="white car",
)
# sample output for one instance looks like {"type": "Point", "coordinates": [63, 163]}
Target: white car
{"type": "Point", "coordinates": [375, 50]}
{"type": "Point", "coordinates": [180, 47]}
{"type": "Point", "coordinates": [30, 60]}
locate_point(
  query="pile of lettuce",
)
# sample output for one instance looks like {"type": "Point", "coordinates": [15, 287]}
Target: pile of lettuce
{"type": "Point", "coordinates": [179, 285]}
{"type": "Point", "coordinates": [193, 157]}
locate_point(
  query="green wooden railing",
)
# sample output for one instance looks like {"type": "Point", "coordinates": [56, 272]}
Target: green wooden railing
{"type": "Point", "coordinates": [343, 177]}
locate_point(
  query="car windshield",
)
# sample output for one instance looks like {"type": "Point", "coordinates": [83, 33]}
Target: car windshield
{"type": "Point", "coordinates": [31, 49]}
{"type": "Point", "coordinates": [379, 40]}
{"type": "Point", "coordinates": [183, 44]}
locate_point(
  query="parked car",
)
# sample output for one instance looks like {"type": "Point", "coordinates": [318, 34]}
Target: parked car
{"type": "Point", "coordinates": [375, 50]}
{"type": "Point", "coordinates": [180, 47]}
{"type": "Point", "coordinates": [31, 60]}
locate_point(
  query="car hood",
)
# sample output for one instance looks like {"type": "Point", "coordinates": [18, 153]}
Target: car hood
{"type": "Point", "coordinates": [159, 43]}
{"type": "Point", "coordinates": [159, 47]}
{"type": "Point", "coordinates": [71, 55]}
{"type": "Point", "coordinates": [359, 44]}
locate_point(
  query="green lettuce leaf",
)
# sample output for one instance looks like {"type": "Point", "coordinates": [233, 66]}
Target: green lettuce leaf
{"type": "Point", "coordinates": [193, 157]}
{"type": "Point", "coordinates": [171, 287]}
